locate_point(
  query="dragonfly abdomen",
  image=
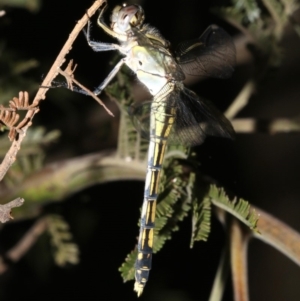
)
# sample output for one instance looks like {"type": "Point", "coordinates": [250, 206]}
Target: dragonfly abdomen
{"type": "Point", "coordinates": [146, 236]}
{"type": "Point", "coordinates": [161, 121]}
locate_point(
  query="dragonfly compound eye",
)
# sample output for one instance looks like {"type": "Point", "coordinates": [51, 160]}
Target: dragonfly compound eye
{"type": "Point", "coordinates": [138, 18]}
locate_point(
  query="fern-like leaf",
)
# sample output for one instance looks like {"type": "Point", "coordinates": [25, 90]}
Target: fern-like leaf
{"type": "Point", "coordinates": [201, 220]}
{"type": "Point", "coordinates": [172, 203]}
{"type": "Point", "coordinates": [127, 268]}
{"type": "Point", "coordinates": [238, 208]}
{"type": "Point", "coordinates": [65, 251]}
{"type": "Point", "coordinates": [264, 27]}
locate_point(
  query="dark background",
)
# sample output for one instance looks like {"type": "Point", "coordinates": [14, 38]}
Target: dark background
{"type": "Point", "coordinates": [261, 168]}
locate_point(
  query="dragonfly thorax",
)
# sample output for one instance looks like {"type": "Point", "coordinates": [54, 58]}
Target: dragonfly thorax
{"type": "Point", "coordinates": [152, 67]}
{"type": "Point", "coordinates": [146, 51]}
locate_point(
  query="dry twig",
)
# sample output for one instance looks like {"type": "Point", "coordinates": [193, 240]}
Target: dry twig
{"type": "Point", "coordinates": [5, 209]}
{"type": "Point", "coordinates": [68, 73]}
{"type": "Point", "coordinates": [27, 241]}
{"type": "Point", "coordinates": [10, 156]}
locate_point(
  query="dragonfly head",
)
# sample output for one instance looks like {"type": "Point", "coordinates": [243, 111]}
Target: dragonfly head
{"type": "Point", "coordinates": [125, 17]}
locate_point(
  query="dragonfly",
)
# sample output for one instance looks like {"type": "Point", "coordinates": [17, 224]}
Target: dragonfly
{"type": "Point", "coordinates": [175, 114]}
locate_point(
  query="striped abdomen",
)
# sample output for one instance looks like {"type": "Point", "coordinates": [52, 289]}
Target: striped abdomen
{"type": "Point", "coordinates": [162, 119]}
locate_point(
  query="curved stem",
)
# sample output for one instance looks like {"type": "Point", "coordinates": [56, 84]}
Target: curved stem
{"type": "Point", "coordinates": [238, 246]}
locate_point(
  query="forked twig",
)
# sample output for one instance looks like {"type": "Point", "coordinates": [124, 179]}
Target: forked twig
{"type": "Point", "coordinates": [5, 209]}
{"type": "Point", "coordinates": [65, 50]}
{"type": "Point", "coordinates": [68, 73]}
{"type": "Point", "coordinates": [22, 129]}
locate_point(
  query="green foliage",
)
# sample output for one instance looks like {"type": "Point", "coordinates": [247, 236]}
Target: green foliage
{"type": "Point", "coordinates": [173, 204]}
{"type": "Point", "coordinates": [30, 157]}
{"type": "Point", "coordinates": [12, 70]}
{"type": "Point", "coordinates": [201, 220]}
{"type": "Point", "coordinates": [239, 208]}
{"type": "Point", "coordinates": [127, 269]}
{"type": "Point", "coordinates": [173, 201]}
{"type": "Point", "coordinates": [249, 9]}
{"type": "Point", "coordinates": [263, 23]}
{"type": "Point", "coordinates": [64, 250]}
{"type": "Point", "coordinates": [131, 146]}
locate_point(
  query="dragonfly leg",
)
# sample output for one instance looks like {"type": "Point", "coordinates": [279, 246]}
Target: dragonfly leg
{"type": "Point", "coordinates": [110, 76]}
{"type": "Point", "coordinates": [107, 29]}
{"type": "Point", "coordinates": [102, 86]}
{"type": "Point", "coordinates": [98, 46]}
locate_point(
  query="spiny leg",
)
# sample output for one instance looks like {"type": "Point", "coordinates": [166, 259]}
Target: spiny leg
{"type": "Point", "coordinates": [102, 86]}
{"type": "Point", "coordinates": [110, 76]}
{"type": "Point", "coordinates": [98, 46]}
{"type": "Point", "coordinates": [108, 30]}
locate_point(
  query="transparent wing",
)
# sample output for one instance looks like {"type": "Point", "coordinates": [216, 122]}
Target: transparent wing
{"type": "Point", "coordinates": [195, 119]}
{"type": "Point", "coordinates": [211, 55]}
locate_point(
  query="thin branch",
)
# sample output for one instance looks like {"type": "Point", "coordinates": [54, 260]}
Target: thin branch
{"type": "Point", "coordinates": [28, 240]}
{"type": "Point", "coordinates": [10, 156]}
{"type": "Point", "coordinates": [279, 125]}
{"type": "Point", "coordinates": [279, 235]}
{"type": "Point", "coordinates": [79, 173]}
{"type": "Point", "coordinates": [65, 50]}
{"type": "Point", "coordinates": [241, 100]}
{"type": "Point", "coordinates": [239, 239]}
{"type": "Point", "coordinates": [221, 276]}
